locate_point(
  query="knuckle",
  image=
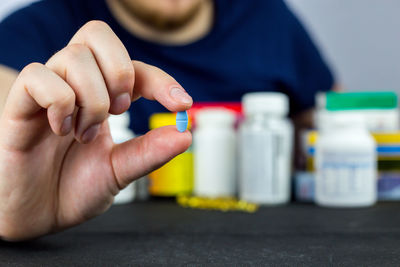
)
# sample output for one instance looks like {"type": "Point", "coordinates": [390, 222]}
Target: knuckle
{"type": "Point", "coordinates": [65, 100]}
{"type": "Point", "coordinates": [76, 51]}
{"type": "Point", "coordinates": [123, 78]}
{"type": "Point", "coordinates": [96, 25]}
{"type": "Point", "coordinates": [31, 68]}
{"type": "Point", "coordinates": [99, 108]}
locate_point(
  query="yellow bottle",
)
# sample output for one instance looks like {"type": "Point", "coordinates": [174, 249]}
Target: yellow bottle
{"type": "Point", "coordinates": [176, 177]}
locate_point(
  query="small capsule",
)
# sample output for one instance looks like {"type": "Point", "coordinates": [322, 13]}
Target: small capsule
{"type": "Point", "coordinates": [181, 121]}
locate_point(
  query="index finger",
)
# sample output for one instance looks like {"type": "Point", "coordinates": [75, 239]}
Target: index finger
{"type": "Point", "coordinates": [154, 84]}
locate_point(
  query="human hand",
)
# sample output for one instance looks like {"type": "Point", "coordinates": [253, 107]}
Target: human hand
{"type": "Point", "coordinates": [58, 164]}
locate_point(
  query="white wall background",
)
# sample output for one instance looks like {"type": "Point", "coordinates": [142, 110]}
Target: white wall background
{"type": "Point", "coordinates": [360, 39]}
{"type": "Point", "coordinates": [8, 6]}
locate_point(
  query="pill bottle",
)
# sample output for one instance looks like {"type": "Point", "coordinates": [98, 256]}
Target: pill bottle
{"type": "Point", "coordinates": [120, 132]}
{"type": "Point", "coordinates": [176, 177]}
{"type": "Point", "coordinates": [266, 144]}
{"type": "Point", "coordinates": [345, 163]}
{"type": "Point", "coordinates": [379, 109]}
{"type": "Point", "coordinates": [214, 141]}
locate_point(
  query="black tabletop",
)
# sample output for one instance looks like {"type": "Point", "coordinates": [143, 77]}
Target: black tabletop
{"type": "Point", "coordinates": [162, 233]}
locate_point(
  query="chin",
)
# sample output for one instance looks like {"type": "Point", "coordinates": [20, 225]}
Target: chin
{"type": "Point", "coordinates": [164, 14]}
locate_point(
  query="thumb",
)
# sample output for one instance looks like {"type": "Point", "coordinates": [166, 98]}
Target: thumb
{"type": "Point", "coordinates": [139, 156]}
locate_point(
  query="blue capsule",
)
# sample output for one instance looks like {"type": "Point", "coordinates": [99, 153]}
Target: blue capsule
{"type": "Point", "coordinates": [181, 121]}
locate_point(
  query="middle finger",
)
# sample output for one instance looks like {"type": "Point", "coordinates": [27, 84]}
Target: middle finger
{"type": "Point", "coordinates": [77, 66]}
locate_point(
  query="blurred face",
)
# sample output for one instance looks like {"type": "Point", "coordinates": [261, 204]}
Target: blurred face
{"type": "Point", "coordinates": [164, 15]}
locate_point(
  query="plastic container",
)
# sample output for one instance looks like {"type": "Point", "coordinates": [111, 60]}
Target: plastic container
{"type": "Point", "coordinates": [214, 141]}
{"type": "Point", "coordinates": [388, 150]}
{"type": "Point", "coordinates": [266, 144]}
{"type": "Point", "coordinates": [379, 109]}
{"type": "Point", "coordinates": [120, 132]}
{"type": "Point", "coordinates": [175, 177]}
{"type": "Point", "coordinates": [346, 169]}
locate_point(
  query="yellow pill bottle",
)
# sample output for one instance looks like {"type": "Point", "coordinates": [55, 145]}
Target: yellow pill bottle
{"type": "Point", "coordinates": [176, 177]}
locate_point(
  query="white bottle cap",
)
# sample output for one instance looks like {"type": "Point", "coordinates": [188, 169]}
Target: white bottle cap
{"type": "Point", "coordinates": [216, 117]}
{"type": "Point", "coordinates": [266, 102]}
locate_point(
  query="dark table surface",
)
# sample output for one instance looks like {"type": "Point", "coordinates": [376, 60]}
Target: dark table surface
{"type": "Point", "coordinates": [162, 233]}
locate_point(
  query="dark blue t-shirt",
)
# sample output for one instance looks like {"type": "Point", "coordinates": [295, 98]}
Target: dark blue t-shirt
{"type": "Point", "coordinates": [256, 45]}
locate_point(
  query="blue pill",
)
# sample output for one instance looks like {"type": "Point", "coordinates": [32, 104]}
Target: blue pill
{"type": "Point", "coordinates": [181, 121]}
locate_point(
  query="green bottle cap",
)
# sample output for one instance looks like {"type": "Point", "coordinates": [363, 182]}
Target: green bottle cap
{"type": "Point", "coordinates": [361, 100]}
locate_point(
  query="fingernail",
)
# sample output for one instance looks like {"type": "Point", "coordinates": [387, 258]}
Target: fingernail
{"type": "Point", "coordinates": [179, 95]}
{"type": "Point", "coordinates": [121, 103]}
{"type": "Point", "coordinates": [90, 133]}
{"type": "Point", "coordinates": [66, 126]}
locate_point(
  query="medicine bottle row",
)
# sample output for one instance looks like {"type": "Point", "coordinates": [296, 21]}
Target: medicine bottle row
{"type": "Point", "coordinates": [253, 162]}
{"type": "Point", "coordinates": [252, 159]}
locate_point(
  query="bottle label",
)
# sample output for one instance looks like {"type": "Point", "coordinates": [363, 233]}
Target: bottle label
{"type": "Point", "coordinates": [341, 174]}
{"type": "Point", "coordinates": [264, 167]}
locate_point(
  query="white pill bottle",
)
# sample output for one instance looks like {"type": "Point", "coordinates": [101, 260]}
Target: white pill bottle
{"type": "Point", "coordinates": [120, 132]}
{"type": "Point", "coordinates": [265, 153]}
{"type": "Point", "coordinates": [214, 146]}
{"type": "Point", "coordinates": [346, 163]}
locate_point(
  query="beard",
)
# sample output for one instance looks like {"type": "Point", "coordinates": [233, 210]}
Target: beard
{"type": "Point", "coordinates": [159, 20]}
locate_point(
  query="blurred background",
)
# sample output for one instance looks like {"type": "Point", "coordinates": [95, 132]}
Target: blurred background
{"type": "Point", "coordinates": [360, 40]}
{"type": "Point", "coordinates": [357, 37]}
{"type": "Point", "coordinates": [8, 6]}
